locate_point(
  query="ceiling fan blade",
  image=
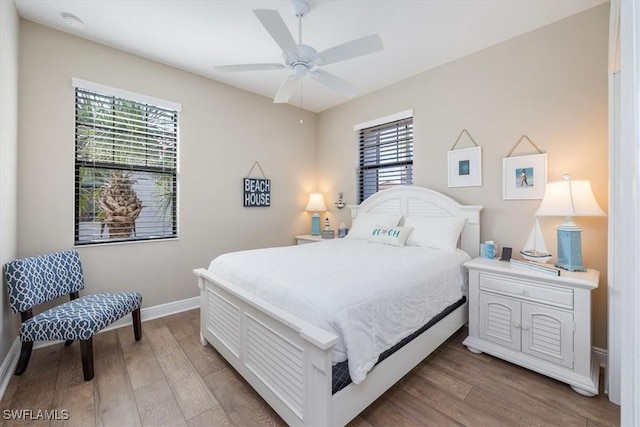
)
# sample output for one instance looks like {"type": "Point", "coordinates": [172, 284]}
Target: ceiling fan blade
{"type": "Point", "coordinates": [286, 90]}
{"type": "Point", "coordinates": [249, 67]}
{"type": "Point", "coordinates": [348, 50]}
{"type": "Point", "coordinates": [273, 23]}
{"type": "Point", "coordinates": [335, 83]}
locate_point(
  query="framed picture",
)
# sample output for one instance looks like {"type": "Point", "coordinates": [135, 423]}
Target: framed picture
{"type": "Point", "coordinates": [524, 177]}
{"type": "Point", "coordinates": [465, 167]}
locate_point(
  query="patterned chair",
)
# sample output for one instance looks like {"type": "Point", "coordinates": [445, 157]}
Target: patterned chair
{"type": "Point", "coordinates": [34, 281]}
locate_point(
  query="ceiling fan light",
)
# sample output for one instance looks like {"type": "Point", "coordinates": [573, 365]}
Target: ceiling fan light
{"type": "Point", "coordinates": [299, 71]}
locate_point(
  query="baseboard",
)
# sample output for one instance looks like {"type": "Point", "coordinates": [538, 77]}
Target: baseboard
{"type": "Point", "coordinates": [9, 366]}
{"type": "Point", "coordinates": [602, 355]}
{"type": "Point", "coordinates": [156, 311]}
{"type": "Point", "coordinates": [11, 360]}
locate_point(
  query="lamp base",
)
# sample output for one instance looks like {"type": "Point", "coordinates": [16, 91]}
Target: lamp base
{"type": "Point", "coordinates": [570, 249]}
{"type": "Point", "coordinates": [315, 224]}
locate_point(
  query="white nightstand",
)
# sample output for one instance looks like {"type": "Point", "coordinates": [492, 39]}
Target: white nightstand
{"type": "Point", "coordinates": [535, 320]}
{"type": "Point", "coordinates": [308, 238]}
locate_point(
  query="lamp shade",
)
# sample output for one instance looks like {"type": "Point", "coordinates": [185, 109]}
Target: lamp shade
{"type": "Point", "coordinates": [316, 203]}
{"type": "Point", "coordinates": [569, 198]}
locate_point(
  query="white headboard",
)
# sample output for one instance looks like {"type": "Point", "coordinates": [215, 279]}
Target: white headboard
{"type": "Point", "coordinates": [419, 201]}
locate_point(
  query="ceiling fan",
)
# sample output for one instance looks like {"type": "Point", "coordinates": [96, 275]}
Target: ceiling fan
{"type": "Point", "coordinates": [303, 60]}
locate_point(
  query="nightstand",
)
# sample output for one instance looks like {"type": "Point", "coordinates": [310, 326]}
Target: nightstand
{"type": "Point", "coordinates": [308, 238]}
{"type": "Point", "coordinates": [535, 320]}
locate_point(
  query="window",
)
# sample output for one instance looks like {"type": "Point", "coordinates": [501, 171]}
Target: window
{"type": "Point", "coordinates": [385, 155]}
{"type": "Point", "coordinates": [125, 166]}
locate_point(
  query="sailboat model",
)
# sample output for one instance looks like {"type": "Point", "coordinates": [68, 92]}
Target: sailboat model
{"type": "Point", "coordinates": [535, 249]}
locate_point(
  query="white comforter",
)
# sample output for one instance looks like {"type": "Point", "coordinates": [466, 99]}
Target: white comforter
{"type": "Point", "coordinates": [370, 295]}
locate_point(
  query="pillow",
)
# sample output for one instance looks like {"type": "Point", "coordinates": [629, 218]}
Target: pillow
{"type": "Point", "coordinates": [438, 233]}
{"type": "Point", "coordinates": [395, 236]}
{"type": "Point", "coordinates": [364, 224]}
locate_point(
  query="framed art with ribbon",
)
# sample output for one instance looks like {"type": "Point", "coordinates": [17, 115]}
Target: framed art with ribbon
{"type": "Point", "coordinates": [257, 191]}
{"type": "Point", "coordinates": [465, 164]}
{"type": "Point", "coordinates": [524, 177]}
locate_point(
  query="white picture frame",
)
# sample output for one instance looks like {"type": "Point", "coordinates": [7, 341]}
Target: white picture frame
{"type": "Point", "coordinates": [524, 177]}
{"type": "Point", "coordinates": [465, 167]}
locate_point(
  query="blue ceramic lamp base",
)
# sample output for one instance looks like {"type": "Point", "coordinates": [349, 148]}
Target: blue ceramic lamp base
{"type": "Point", "coordinates": [570, 248]}
{"type": "Point", "coordinates": [315, 224]}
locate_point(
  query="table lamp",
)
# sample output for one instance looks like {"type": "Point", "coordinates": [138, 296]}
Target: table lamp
{"type": "Point", "coordinates": [569, 198]}
{"type": "Point", "coordinates": [316, 203]}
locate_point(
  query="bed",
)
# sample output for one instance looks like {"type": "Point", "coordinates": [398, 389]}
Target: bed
{"type": "Point", "coordinates": [287, 353]}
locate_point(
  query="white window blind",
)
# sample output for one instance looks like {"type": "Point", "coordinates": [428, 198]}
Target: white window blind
{"type": "Point", "coordinates": [385, 156]}
{"type": "Point", "coordinates": [126, 169]}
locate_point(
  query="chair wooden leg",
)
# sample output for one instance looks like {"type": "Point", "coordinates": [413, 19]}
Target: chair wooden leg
{"type": "Point", "coordinates": [25, 355]}
{"type": "Point", "coordinates": [137, 324]}
{"type": "Point", "coordinates": [67, 343]}
{"type": "Point", "coordinates": [86, 351]}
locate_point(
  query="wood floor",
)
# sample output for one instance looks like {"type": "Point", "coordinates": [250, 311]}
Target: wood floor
{"type": "Point", "coordinates": [169, 379]}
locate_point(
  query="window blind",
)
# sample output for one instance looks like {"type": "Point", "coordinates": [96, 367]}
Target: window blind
{"type": "Point", "coordinates": [385, 157]}
{"type": "Point", "coordinates": [126, 158]}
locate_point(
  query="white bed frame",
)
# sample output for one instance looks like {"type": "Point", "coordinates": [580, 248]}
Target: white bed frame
{"type": "Point", "coordinates": [287, 360]}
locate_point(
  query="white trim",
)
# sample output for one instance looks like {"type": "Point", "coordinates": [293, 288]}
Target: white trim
{"type": "Point", "coordinates": [617, 235]}
{"type": "Point", "coordinates": [627, 249]}
{"type": "Point", "coordinates": [602, 355]}
{"type": "Point", "coordinates": [157, 311]}
{"type": "Point", "coordinates": [619, 253]}
{"type": "Point", "coordinates": [382, 120]}
{"type": "Point", "coordinates": [9, 366]}
{"type": "Point", "coordinates": [121, 93]}
{"type": "Point", "coordinates": [126, 242]}
{"type": "Point", "coordinates": [11, 360]}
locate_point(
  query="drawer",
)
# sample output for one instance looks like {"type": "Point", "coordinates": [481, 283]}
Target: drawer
{"type": "Point", "coordinates": [527, 290]}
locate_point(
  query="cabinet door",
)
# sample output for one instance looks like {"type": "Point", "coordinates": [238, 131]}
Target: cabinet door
{"type": "Point", "coordinates": [547, 333]}
{"type": "Point", "coordinates": [499, 320]}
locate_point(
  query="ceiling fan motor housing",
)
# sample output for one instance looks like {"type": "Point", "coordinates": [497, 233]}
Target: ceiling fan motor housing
{"type": "Point", "coordinates": [299, 8]}
{"type": "Point", "coordinates": [305, 53]}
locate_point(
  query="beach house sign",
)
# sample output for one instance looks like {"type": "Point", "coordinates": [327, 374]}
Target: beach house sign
{"type": "Point", "coordinates": [257, 191]}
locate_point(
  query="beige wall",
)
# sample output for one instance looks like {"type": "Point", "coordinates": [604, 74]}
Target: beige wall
{"type": "Point", "coordinates": [550, 84]}
{"type": "Point", "coordinates": [9, 24]}
{"type": "Point", "coordinates": [223, 130]}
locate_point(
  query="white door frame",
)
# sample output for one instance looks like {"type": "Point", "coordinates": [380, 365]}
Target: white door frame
{"type": "Point", "coordinates": [630, 126]}
{"type": "Point", "coordinates": [616, 219]}
{"type": "Point", "coordinates": [624, 213]}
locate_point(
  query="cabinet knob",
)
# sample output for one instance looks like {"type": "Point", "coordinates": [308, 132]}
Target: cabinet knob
{"type": "Point", "coordinates": [525, 326]}
{"type": "Point", "coordinates": [522, 292]}
{"type": "Point", "coordinates": [516, 324]}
